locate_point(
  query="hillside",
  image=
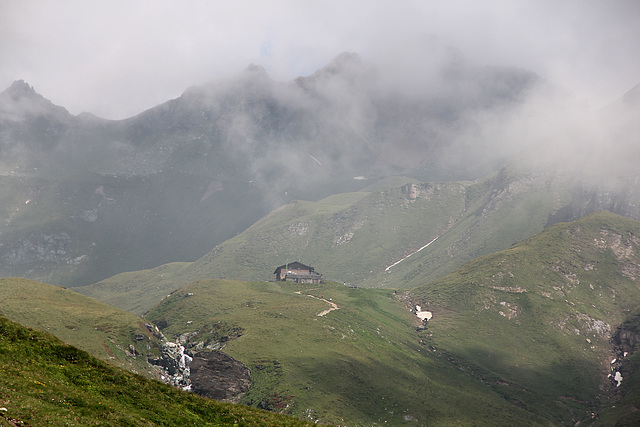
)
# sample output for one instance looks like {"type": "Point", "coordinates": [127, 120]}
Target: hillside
{"type": "Point", "coordinates": [361, 363]}
{"type": "Point", "coordinates": [107, 333]}
{"type": "Point", "coordinates": [45, 382]}
{"type": "Point", "coordinates": [530, 332]}
{"type": "Point", "coordinates": [534, 322]}
{"type": "Point", "coordinates": [527, 331]}
{"type": "Point", "coordinates": [77, 230]}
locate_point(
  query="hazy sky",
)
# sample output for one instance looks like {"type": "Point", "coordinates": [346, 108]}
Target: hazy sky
{"type": "Point", "coordinates": [117, 58]}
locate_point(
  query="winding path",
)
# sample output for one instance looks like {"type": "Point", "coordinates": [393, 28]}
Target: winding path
{"type": "Point", "coordinates": [333, 305]}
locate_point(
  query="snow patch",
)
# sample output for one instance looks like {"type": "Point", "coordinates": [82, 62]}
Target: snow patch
{"type": "Point", "coordinates": [423, 315]}
{"type": "Point", "coordinates": [618, 378]}
{"type": "Point", "coordinates": [413, 253]}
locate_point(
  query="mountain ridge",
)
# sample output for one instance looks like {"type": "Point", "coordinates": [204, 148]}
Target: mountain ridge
{"type": "Point", "coordinates": [205, 165]}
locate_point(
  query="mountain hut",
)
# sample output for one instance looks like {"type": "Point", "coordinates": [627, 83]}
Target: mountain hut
{"type": "Point", "coordinates": [297, 272]}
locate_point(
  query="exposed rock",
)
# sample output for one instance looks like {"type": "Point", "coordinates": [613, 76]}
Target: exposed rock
{"type": "Point", "coordinates": [219, 376]}
{"type": "Point", "coordinates": [416, 191]}
{"type": "Point", "coordinates": [626, 339]}
{"type": "Point", "coordinates": [175, 365]}
{"type": "Point", "coordinates": [40, 248]}
{"type": "Point", "coordinates": [299, 228]}
{"type": "Point", "coordinates": [596, 326]}
{"type": "Point", "coordinates": [625, 342]}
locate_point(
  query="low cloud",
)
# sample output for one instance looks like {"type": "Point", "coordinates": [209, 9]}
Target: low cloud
{"type": "Point", "coordinates": [118, 58]}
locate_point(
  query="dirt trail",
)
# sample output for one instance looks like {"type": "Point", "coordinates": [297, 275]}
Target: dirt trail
{"type": "Point", "coordinates": [333, 305]}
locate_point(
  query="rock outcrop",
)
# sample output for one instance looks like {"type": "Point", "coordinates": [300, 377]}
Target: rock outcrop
{"type": "Point", "coordinates": [625, 343]}
{"type": "Point", "coordinates": [219, 376]}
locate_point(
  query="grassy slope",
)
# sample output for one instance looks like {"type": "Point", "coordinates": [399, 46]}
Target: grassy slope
{"type": "Point", "coordinates": [346, 237]}
{"type": "Point", "coordinates": [534, 320]}
{"type": "Point", "coordinates": [45, 382]}
{"type": "Point", "coordinates": [137, 291]}
{"type": "Point", "coordinates": [95, 327]}
{"type": "Point", "coordinates": [353, 237]}
{"type": "Point", "coordinates": [362, 364]}
{"type": "Point", "coordinates": [499, 211]}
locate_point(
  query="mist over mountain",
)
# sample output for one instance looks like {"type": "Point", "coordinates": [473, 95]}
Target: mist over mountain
{"type": "Point", "coordinates": [378, 182]}
{"type": "Point", "coordinates": [175, 180]}
{"type": "Point", "coordinates": [85, 198]}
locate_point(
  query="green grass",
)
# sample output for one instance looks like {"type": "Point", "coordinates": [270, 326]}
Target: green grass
{"type": "Point", "coordinates": [514, 339]}
{"type": "Point", "coordinates": [45, 382]}
{"type": "Point", "coordinates": [136, 291]}
{"type": "Point", "coordinates": [362, 364]}
{"type": "Point", "coordinates": [526, 316]}
{"type": "Point", "coordinates": [101, 330]}
{"type": "Point", "coordinates": [346, 237]}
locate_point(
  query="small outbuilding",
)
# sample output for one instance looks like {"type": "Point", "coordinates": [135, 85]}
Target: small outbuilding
{"type": "Point", "coordinates": [297, 272]}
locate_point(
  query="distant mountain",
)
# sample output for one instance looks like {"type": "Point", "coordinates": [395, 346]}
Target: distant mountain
{"type": "Point", "coordinates": [85, 198]}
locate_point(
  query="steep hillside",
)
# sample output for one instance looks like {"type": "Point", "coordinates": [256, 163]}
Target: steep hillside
{"type": "Point", "coordinates": [625, 340]}
{"type": "Point", "coordinates": [45, 382]}
{"type": "Point", "coordinates": [115, 336]}
{"type": "Point", "coordinates": [534, 322]}
{"type": "Point", "coordinates": [78, 230]}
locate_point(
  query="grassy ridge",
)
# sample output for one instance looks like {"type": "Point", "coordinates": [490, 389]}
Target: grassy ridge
{"type": "Point", "coordinates": [103, 331]}
{"type": "Point", "coordinates": [45, 382]}
{"type": "Point", "coordinates": [518, 337]}
{"type": "Point", "coordinates": [524, 331]}
{"type": "Point", "coordinates": [136, 291]}
{"type": "Point", "coordinates": [500, 210]}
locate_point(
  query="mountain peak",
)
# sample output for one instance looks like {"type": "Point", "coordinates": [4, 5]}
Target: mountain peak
{"type": "Point", "coordinates": [20, 89]}
{"type": "Point", "coordinates": [256, 69]}
{"type": "Point", "coordinates": [21, 98]}
{"type": "Point", "coordinates": [344, 61]}
{"type": "Point", "coordinates": [347, 65]}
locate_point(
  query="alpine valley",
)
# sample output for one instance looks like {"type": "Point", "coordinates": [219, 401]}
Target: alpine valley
{"type": "Point", "coordinates": [478, 239]}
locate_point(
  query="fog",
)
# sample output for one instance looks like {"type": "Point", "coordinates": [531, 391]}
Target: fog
{"type": "Point", "coordinates": [201, 142]}
{"type": "Point", "coordinates": [440, 91]}
{"type": "Point", "coordinates": [116, 59]}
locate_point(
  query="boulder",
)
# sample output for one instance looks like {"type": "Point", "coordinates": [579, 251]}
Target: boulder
{"type": "Point", "coordinates": [219, 376]}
